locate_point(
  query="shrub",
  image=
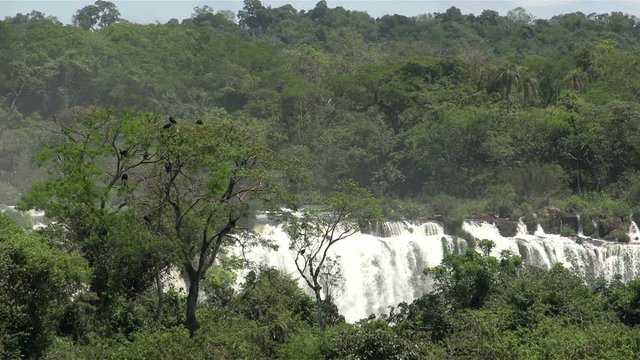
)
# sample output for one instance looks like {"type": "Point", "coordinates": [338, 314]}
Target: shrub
{"type": "Point", "coordinates": [567, 231]}
{"type": "Point", "coordinates": [617, 235]}
{"type": "Point", "coordinates": [501, 199]}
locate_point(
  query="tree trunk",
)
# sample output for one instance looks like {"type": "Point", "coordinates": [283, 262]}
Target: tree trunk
{"type": "Point", "coordinates": [321, 321]}
{"type": "Point", "coordinates": [160, 294]}
{"type": "Point", "coordinates": [192, 301]}
{"type": "Point", "coordinates": [508, 91]}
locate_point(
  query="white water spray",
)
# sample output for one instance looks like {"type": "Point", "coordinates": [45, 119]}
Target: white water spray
{"type": "Point", "coordinates": [385, 269]}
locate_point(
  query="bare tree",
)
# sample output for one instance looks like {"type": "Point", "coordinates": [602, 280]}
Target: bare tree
{"type": "Point", "coordinates": [314, 231]}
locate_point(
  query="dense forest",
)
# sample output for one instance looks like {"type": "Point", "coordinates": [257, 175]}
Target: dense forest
{"type": "Point", "coordinates": [149, 145]}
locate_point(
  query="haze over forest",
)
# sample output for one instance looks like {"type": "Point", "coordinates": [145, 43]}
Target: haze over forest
{"type": "Point", "coordinates": [151, 147]}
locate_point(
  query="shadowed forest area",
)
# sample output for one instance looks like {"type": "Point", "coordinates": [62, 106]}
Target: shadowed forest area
{"type": "Point", "coordinates": [149, 146]}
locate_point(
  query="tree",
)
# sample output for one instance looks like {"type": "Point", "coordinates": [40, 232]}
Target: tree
{"type": "Point", "coordinates": [254, 17]}
{"type": "Point", "coordinates": [315, 231]}
{"type": "Point", "coordinates": [376, 339]}
{"type": "Point", "coordinates": [33, 19]}
{"type": "Point", "coordinates": [275, 302]}
{"type": "Point", "coordinates": [88, 196]}
{"type": "Point", "coordinates": [207, 16]}
{"type": "Point", "coordinates": [467, 280]}
{"type": "Point", "coordinates": [36, 282]}
{"type": "Point", "coordinates": [101, 13]}
{"type": "Point", "coordinates": [509, 78]}
{"type": "Point", "coordinates": [200, 188]}
{"type": "Point", "coordinates": [188, 183]}
{"type": "Point", "coordinates": [529, 89]}
{"type": "Point", "coordinates": [576, 80]}
{"type": "Point", "coordinates": [520, 16]}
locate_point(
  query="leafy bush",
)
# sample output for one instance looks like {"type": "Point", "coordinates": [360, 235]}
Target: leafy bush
{"type": "Point", "coordinates": [618, 235]}
{"type": "Point", "coordinates": [36, 283]}
{"type": "Point", "coordinates": [567, 231]}
{"type": "Point", "coordinates": [537, 181]}
{"type": "Point", "coordinates": [501, 199]}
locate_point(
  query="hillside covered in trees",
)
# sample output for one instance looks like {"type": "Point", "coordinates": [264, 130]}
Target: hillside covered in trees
{"type": "Point", "coordinates": [448, 114]}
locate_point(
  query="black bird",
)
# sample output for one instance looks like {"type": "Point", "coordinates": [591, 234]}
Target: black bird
{"type": "Point", "coordinates": [147, 218]}
{"type": "Point", "coordinates": [199, 122]}
{"type": "Point", "coordinates": [301, 252]}
{"type": "Point", "coordinates": [166, 126]}
{"type": "Point", "coordinates": [167, 167]}
{"type": "Point", "coordinates": [124, 177]}
{"type": "Point", "coordinates": [172, 120]}
{"type": "Point", "coordinates": [124, 152]}
{"type": "Point", "coordinates": [145, 156]}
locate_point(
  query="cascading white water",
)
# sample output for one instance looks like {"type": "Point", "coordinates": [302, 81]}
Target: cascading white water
{"type": "Point", "coordinates": [580, 230]}
{"type": "Point", "coordinates": [378, 270]}
{"type": "Point", "coordinates": [588, 259]}
{"type": "Point", "coordinates": [36, 217]}
{"type": "Point", "coordinates": [634, 232]}
{"type": "Point", "coordinates": [386, 268]}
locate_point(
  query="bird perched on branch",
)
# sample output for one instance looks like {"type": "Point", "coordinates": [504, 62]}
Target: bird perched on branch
{"type": "Point", "coordinates": [124, 177]}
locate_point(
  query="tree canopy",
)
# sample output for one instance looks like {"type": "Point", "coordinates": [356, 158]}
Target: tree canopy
{"type": "Point", "coordinates": [150, 146]}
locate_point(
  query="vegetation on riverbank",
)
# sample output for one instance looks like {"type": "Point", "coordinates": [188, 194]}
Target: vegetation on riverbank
{"type": "Point", "coordinates": [154, 141]}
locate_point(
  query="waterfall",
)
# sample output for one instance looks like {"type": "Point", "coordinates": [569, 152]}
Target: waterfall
{"type": "Point", "coordinates": [634, 233]}
{"type": "Point", "coordinates": [580, 230]}
{"type": "Point", "coordinates": [385, 267]}
{"type": "Point", "coordinates": [35, 217]}
{"type": "Point", "coordinates": [378, 270]}
{"type": "Point", "coordinates": [522, 228]}
{"type": "Point", "coordinates": [589, 259]}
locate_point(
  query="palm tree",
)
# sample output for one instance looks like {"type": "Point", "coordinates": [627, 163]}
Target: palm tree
{"type": "Point", "coordinates": [587, 60]}
{"type": "Point", "coordinates": [509, 78]}
{"type": "Point", "coordinates": [576, 80]}
{"type": "Point", "coordinates": [529, 89]}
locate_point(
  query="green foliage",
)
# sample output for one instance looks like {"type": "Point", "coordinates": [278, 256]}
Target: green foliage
{"type": "Point", "coordinates": [444, 115]}
{"type": "Point", "coordinates": [375, 340]}
{"type": "Point", "coordinates": [531, 313]}
{"type": "Point", "coordinates": [618, 235]}
{"type": "Point", "coordinates": [304, 344]}
{"type": "Point", "coordinates": [467, 280]}
{"type": "Point", "coordinates": [37, 282]}
{"type": "Point", "coordinates": [502, 199]}
{"type": "Point", "coordinates": [535, 181]}
{"type": "Point", "coordinates": [100, 14]}
{"type": "Point", "coordinates": [177, 191]}
{"type": "Point", "coordinates": [567, 231]}
{"type": "Point", "coordinates": [367, 99]}
{"type": "Point", "coordinates": [278, 306]}
{"type": "Point", "coordinates": [455, 210]}
{"type": "Point", "coordinates": [623, 299]}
